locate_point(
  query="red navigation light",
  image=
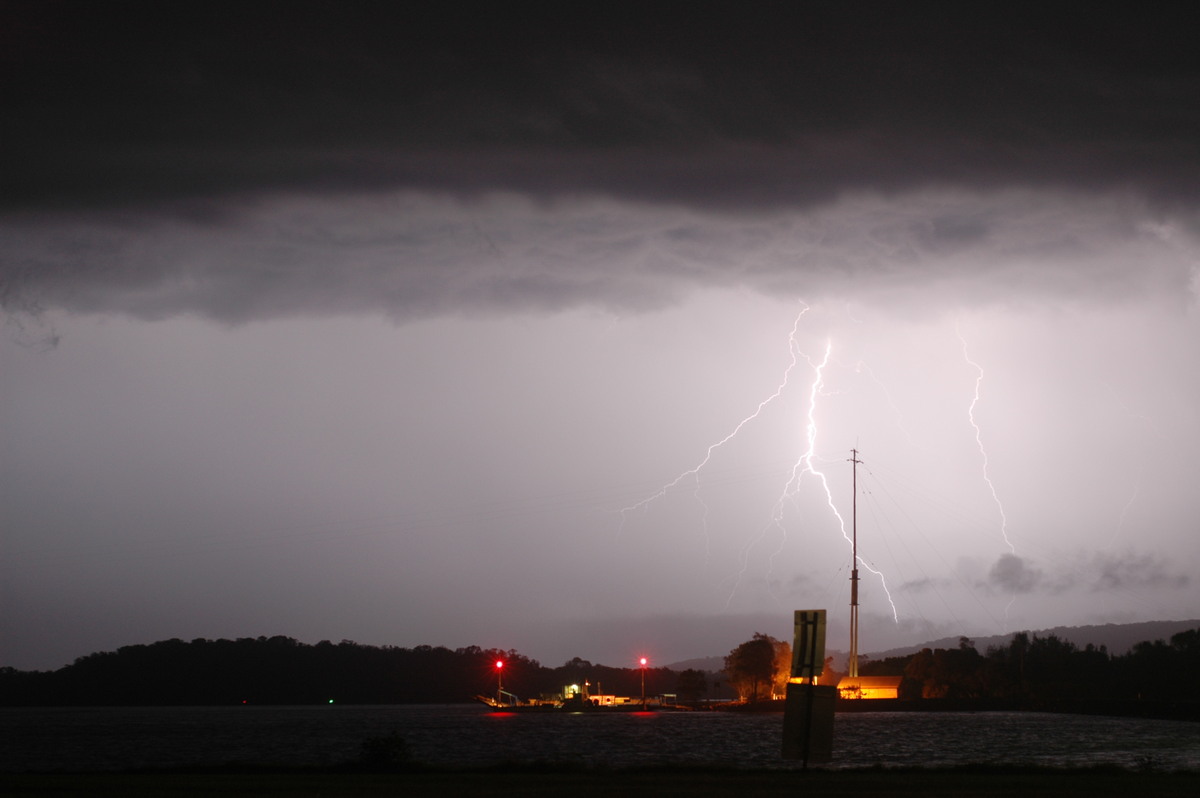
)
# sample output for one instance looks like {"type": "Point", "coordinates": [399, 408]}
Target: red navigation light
{"type": "Point", "coordinates": [643, 662]}
{"type": "Point", "coordinates": [499, 664]}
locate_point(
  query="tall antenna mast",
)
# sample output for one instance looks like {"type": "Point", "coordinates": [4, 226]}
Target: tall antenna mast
{"type": "Point", "coordinates": [853, 663]}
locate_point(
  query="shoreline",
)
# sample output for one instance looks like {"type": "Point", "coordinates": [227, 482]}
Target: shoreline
{"type": "Point", "coordinates": [1117, 708]}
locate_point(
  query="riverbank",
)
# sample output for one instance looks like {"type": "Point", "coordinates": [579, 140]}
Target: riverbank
{"type": "Point", "coordinates": [1116, 708]}
{"type": "Point", "coordinates": [600, 783]}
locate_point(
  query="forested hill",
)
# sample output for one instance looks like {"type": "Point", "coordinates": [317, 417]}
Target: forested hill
{"type": "Point", "coordinates": [280, 670]}
{"type": "Point", "coordinates": [1116, 638]}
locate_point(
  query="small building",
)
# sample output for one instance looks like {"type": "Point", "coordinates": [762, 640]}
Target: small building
{"type": "Point", "coordinates": [870, 687]}
{"type": "Point", "coordinates": [572, 692]}
{"type": "Point", "coordinates": [610, 700]}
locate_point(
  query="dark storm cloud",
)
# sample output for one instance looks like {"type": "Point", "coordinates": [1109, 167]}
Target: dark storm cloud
{"type": "Point", "coordinates": [1134, 572]}
{"type": "Point", "coordinates": [1100, 572]}
{"type": "Point", "coordinates": [413, 255]}
{"type": "Point", "coordinates": [709, 104]}
{"type": "Point", "coordinates": [1015, 575]}
{"type": "Point", "coordinates": [926, 585]}
{"type": "Point", "coordinates": [256, 160]}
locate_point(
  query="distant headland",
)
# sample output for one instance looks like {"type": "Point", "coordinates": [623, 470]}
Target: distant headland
{"type": "Point", "coordinates": [1021, 668]}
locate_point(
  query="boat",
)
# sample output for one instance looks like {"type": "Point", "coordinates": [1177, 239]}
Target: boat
{"type": "Point", "coordinates": [572, 700]}
{"type": "Point", "coordinates": [505, 701]}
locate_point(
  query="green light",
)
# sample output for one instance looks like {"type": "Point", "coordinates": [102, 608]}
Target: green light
{"type": "Point", "coordinates": [331, 700]}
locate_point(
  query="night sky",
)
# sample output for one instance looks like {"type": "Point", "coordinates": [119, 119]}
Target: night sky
{"type": "Point", "coordinates": [552, 327]}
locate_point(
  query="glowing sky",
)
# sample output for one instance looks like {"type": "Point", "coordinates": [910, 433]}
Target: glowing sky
{"type": "Point", "coordinates": [368, 324]}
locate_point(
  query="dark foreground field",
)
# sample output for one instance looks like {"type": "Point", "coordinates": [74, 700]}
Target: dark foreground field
{"type": "Point", "coordinates": [585, 783]}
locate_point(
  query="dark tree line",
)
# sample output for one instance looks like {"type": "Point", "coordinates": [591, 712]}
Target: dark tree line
{"type": "Point", "coordinates": [280, 670]}
{"type": "Point", "coordinates": [1033, 668]}
{"type": "Point", "coordinates": [1030, 670]}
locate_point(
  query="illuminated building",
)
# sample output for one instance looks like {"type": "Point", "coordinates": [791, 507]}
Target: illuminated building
{"type": "Point", "coordinates": [870, 687]}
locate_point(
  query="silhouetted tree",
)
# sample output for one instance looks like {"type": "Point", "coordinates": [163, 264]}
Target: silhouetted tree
{"type": "Point", "coordinates": [1050, 670]}
{"type": "Point", "coordinates": [750, 667]}
{"type": "Point", "coordinates": [946, 673]}
{"type": "Point", "coordinates": [691, 685]}
{"type": "Point", "coordinates": [1160, 670]}
{"type": "Point", "coordinates": [782, 666]}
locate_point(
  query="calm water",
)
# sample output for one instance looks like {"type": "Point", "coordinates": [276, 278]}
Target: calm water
{"type": "Point", "coordinates": [120, 738]}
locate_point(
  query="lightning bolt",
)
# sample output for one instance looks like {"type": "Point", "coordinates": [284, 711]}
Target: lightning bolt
{"type": "Point", "coordinates": [979, 441]}
{"type": "Point", "coordinates": [694, 472]}
{"type": "Point", "coordinates": [804, 466]}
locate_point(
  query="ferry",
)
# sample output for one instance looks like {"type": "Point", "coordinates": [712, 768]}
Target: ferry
{"type": "Point", "coordinates": [572, 699]}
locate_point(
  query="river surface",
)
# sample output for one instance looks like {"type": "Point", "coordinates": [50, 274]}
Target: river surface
{"type": "Point", "coordinates": [120, 738]}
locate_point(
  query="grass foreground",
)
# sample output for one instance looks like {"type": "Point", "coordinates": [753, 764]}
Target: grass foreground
{"type": "Point", "coordinates": [533, 781]}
